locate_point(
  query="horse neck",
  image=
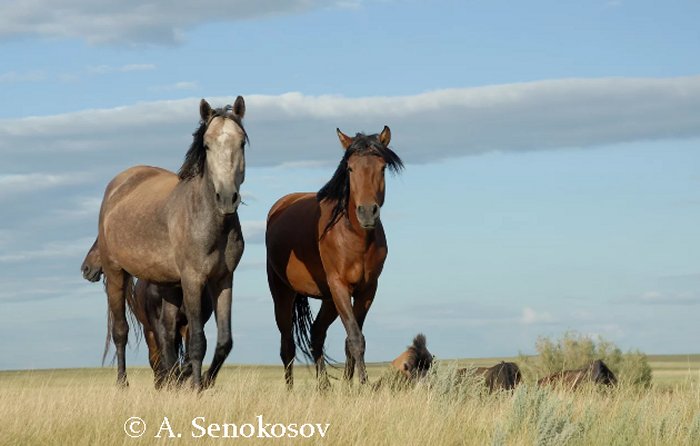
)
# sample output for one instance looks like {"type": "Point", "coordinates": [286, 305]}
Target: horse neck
{"type": "Point", "coordinates": [202, 204]}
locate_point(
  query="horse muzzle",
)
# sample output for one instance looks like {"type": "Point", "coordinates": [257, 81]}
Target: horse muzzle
{"type": "Point", "coordinates": [368, 215]}
{"type": "Point", "coordinates": [228, 203]}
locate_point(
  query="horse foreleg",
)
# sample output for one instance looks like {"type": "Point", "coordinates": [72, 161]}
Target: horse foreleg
{"type": "Point", "coordinates": [326, 315]}
{"type": "Point", "coordinates": [197, 344]}
{"type": "Point", "coordinates": [221, 297]}
{"type": "Point", "coordinates": [362, 302]}
{"type": "Point", "coordinates": [355, 341]}
{"type": "Point", "coordinates": [166, 330]}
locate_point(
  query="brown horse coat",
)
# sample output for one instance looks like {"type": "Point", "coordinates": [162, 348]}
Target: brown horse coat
{"type": "Point", "coordinates": [330, 246]}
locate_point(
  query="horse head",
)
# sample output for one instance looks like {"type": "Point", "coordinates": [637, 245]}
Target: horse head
{"type": "Point", "coordinates": [217, 153]}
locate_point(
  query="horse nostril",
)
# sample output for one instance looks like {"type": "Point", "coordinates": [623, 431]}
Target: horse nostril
{"type": "Point", "coordinates": [234, 198]}
{"type": "Point", "coordinates": [218, 197]}
{"type": "Point", "coordinates": [375, 209]}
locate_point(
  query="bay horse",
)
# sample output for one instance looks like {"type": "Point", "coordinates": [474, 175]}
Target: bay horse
{"type": "Point", "coordinates": [331, 246]}
{"type": "Point", "coordinates": [144, 302]}
{"type": "Point", "coordinates": [597, 372]}
{"type": "Point", "coordinates": [415, 362]}
{"type": "Point", "coordinates": [409, 367]}
{"type": "Point", "coordinates": [504, 376]}
{"type": "Point", "coordinates": [179, 229]}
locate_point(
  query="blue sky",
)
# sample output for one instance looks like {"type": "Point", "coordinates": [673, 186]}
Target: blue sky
{"type": "Point", "coordinates": [552, 160]}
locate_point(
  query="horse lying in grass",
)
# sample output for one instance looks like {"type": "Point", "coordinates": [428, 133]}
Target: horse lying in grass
{"type": "Point", "coordinates": [144, 301]}
{"type": "Point", "coordinates": [597, 372]}
{"type": "Point", "coordinates": [409, 367]}
{"type": "Point", "coordinates": [502, 376]}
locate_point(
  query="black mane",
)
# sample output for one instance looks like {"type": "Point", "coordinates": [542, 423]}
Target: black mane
{"type": "Point", "coordinates": [338, 187]}
{"type": "Point", "coordinates": [193, 166]}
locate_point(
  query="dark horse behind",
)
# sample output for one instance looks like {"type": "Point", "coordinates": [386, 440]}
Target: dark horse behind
{"type": "Point", "coordinates": [179, 230]}
{"type": "Point", "coordinates": [597, 372]}
{"type": "Point", "coordinates": [144, 302]}
{"type": "Point", "coordinates": [331, 246]}
{"type": "Point", "coordinates": [502, 376]}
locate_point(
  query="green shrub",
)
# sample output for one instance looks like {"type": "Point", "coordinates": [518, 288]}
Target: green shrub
{"type": "Point", "coordinates": [574, 350]}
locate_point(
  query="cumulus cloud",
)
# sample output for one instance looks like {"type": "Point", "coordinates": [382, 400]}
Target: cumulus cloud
{"type": "Point", "coordinates": [134, 22]}
{"type": "Point", "coordinates": [292, 127]}
{"type": "Point", "coordinates": [531, 317]}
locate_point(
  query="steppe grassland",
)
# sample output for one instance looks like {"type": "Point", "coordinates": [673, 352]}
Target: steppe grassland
{"type": "Point", "coordinates": [82, 406]}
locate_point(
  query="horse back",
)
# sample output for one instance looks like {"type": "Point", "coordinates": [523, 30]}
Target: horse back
{"type": "Point", "coordinates": [291, 240]}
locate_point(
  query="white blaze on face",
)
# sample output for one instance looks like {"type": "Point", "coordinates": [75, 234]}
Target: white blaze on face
{"type": "Point", "coordinates": [225, 157]}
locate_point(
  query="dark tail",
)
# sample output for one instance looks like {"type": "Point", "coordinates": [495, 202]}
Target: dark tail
{"type": "Point", "coordinates": [303, 319]}
{"type": "Point", "coordinates": [130, 302]}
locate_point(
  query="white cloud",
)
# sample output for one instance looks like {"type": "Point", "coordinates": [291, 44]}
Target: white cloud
{"type": "Point", "coordinates": [83, 208]}
{"type": "Point", "coordinates": [531, 317]}
{"type": "Point", "coordinates": [184, 85]}
{"type": "Point", "coordinates": [13, 77]}
{"type": "Point", "coordinates": [254, 231]}
{"type": "Point", "coordinates": [12, 184]}
{"type": "Point", "coordinates": [668, 298]}
{"type": "Point", "coordinates": [51, 250]}
{"type": "Point", "coordinates": [292, 127]}
{"type": "Point", "coordinates": [131, 21]}
{"type": "Point", "coordinates": [106, 69]}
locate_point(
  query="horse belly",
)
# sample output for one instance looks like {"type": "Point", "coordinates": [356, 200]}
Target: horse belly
{"type": "Point", "coordinates": [301, 278]}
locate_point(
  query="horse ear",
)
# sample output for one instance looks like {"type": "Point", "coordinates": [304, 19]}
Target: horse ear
{"type": "Point", "coordinates": [345, 140]}
{"type": "Point", "coordinates": [239, 107]}
{"type": "Point", "coordinates": [204, 110]}
{"type": "Point", "coordinates": [385, 136]}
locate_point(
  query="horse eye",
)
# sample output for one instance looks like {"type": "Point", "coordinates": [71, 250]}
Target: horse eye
{"type": "Point", "coordinates": [349, 169]}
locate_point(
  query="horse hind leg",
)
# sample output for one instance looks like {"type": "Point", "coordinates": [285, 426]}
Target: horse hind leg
{"type": "Point", "coordinates": [118, 284]}
{"type": "Point", "coordinates": [154, 357]}
{"type": "Point", "coordinates": [283, 299]}
{"type": "Point", "coordinates": [326, 315]}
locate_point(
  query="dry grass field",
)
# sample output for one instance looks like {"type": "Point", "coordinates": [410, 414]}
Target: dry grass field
{"type": "Point", "coordinates": [248, 403]}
